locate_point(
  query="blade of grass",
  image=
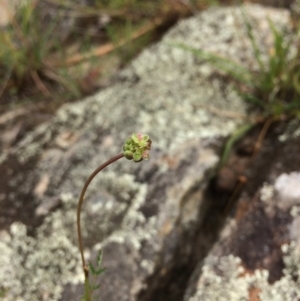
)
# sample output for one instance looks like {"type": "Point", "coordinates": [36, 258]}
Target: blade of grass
{"type": "Point", "coordinates": [255, 47]}
{"type": "Point", "coordinates": [237, 135]}
{"type": "Point", "coordinates": [236, 70]}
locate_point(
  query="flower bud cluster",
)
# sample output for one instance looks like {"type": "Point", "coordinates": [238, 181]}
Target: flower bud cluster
{"type": "Point", "coordinates": [137, 147]}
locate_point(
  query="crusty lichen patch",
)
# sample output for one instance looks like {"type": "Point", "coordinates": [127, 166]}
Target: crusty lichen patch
{"type": "Point", "coordinates": [225, 279]}
{"type": "Point", "coordinates": [38, 268]}
{"type": "Point", "coordinates": [117, 218]}
{"type": "Point", "coordinates": [167, 90]}
{"type": "Point", "coordinates": [288, 287]}
{"type": "Point", "coordinates": [221, 280]}
{"type": "Point", "coordinates": [167, 93]}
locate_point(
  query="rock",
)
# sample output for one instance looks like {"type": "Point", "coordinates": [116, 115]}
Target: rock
{"type": "Point", "coordinates": [257, 256]}
{"type": "Point", "coordinates": [156, 220]}
{"type": "Point", "coordinates": [287, 187]}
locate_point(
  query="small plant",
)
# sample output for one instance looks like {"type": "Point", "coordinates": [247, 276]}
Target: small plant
{"type": "Point", "coordinates": [274, 88]}
{"type": "Point", "coordinates": [276, 85]}
{"type": "Point", "coordinates": [47, 47]}
{"type": "Point", "coordinates": [24, 45]}
{"type": "Point", "coordinates": [136, 148]}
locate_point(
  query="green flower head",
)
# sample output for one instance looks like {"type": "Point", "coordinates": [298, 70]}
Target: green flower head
{"type": "Point", "coordinates": [137, 147]}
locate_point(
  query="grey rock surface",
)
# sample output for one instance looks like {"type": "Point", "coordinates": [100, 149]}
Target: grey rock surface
{"type": "Point", "coordinates": [151, 217]}
{"type": "Point", "coordinates": [257, 256]}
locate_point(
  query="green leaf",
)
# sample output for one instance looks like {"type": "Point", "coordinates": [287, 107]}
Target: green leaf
{"type": "Point", "coordinates": [145, 137]}
{"type": "Point", "coordinates": [95, 287]}
{"type": "Point", "coordinates": [238, 134]}
{"type": "Point", "coordinates": [128, 155]}
{"type": "Point", "coordinates": [128, 141]}
{"type": "Point", "coordinates": [135, 138]}
{"type": "Point", "coordinates": [98, 269]}
{"type": "Point", "coordinates": [142, 143]}
{"type": "Point", "coordinates": [137, 157]}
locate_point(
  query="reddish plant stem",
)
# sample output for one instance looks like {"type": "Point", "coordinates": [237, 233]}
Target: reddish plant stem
{"type": "Point", "coordinates": [80, 202]}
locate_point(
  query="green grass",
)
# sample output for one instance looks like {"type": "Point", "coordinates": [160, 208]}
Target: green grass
{"type": "Point", "coordinates": [33, 55]}
{"type": "Point", "coordinates": [29, 41]}
{"type": "Point", "coordinates": [25, 43]}
{"type": "Point", "coordinates": [274, 88]}
{"type": "Point", "coordinates": [276, 85]}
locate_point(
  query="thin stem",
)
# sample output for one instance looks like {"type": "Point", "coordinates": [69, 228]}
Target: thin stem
{"type": "Point", "coordinates": [81, 199]}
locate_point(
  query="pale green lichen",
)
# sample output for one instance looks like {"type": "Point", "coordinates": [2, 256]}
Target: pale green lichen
{"type": "Point", "coordinates": [32, 144]}
{"type": "Point", "coordinates": [34, 269]}
{"type": "Point", "coordinates": [267, 192]}
{"type": "Point", "coordinates": [134, 227]}
{"type": "Point", "coordinates": [288, 287]}
{"type": "Point", "coordinates": [170, 102]}
{"type": "Point", "coordinates": [112, 211]}
{"type": "Point", "coordinates": [173, 100]}
{"type": "Point", "coordinates": [223, 279]}
{"type": "Point", "coordinates": [223, 285]}
{"type": "Point", "coordinates": [295, 211]}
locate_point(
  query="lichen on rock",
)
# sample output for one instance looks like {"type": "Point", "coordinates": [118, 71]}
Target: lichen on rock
{"type": "Point", "coordinates": [221, 281]}
{"type": "Point", "coordinates": [38, 268]}
{"type": "Point", "coordinates": [226, 279]}
{"type": "Point", "coordinates": [136, 212]}
{"type": "Point", "coordinates": [29, 266]}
